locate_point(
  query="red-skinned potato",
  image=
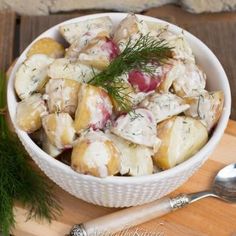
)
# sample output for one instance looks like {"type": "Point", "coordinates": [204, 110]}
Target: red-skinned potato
{"type": "Point", "coordinates": [94, 108]}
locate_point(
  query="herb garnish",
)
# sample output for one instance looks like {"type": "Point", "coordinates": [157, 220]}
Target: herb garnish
{"type": "Point", "coordinates": [144, 54]}
{"type": "Point", "coordinates": [18, 180]}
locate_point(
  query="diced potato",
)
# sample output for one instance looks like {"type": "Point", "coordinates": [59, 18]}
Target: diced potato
{"type": "Point", "coordinates": [86, 30]}
{"type": "Point", "coordinates": [97, 53]}
{"type": "Point", "coordinates": [64, 68]}
{"type": "Point", "coordinates": [62, 95]}
{"type": "Point", "coordinates": [164, 106]}
{"type": "Point", "coordinates": [136, 159]}
{"type": "Point", "coordinates": [94, 108]}
{"type": "Point", "coordinates": [95, 154]}
{"type": "Point", "coordinates": [59, 129]}
{"type": "Point", "coordinates": [186, 78]}
{"type": "Point", "coordinates": [47, 46]}
{"type": "Point", "coordinates": [130, 28]}
{"type": "Point", "coordinates": [181, 138]}
{"type": "Point", "coordinates": [29, 113]}
{"type": "Point", "coordinates": [32, 75]}
{"type": "Point", "coordinates": [180, 46]}
{"type": "Point", "coordinates": [207, 107]}
{"type": "Point", "coordinates": [138, 126]}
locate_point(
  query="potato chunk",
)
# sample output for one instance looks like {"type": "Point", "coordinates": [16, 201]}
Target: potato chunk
{"type": "Point", "coordinates": [29, 113]}
{"type": "Point", "coordinates": [136, 159]}
{"type": "Point", "coordinates": [181, 138]}
{"type": "Point", "coordinates": [94, 108]}
{"type": "Point", "coordinates": [139, 127]}
{"type": "Point", "coordinates": [62, 95]}
{"type": "Point", "coordinates": [164, 106]}
{"type": "Point", "coordinates": [86, 30]}
{"type": "Point", "coordinates": [64, 68]}
{"type": "Point", "coordinates": [97, 53]}
{"type": "Point", "coordinates": [32, 75]}
{"type": "Point", "coordinates": [59, 130]}
{"type": "Point", "coordinates": [95, 154]}
{"type": "Point", "coordinates": [47, 46]}
{"type": "Point", "coordinates": [207, 107]}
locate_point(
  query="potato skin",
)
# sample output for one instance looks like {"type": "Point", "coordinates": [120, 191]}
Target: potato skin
{"type": "Point", "coordinates": [47, 46]}
{"type": "Point", "coordinates": [181, 138]}
{"type": "Point", "coordinates": [94, 108]}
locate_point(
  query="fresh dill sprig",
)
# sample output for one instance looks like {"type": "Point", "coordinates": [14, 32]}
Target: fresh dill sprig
{"type": "Point", "coordinates": [144, 54]}
{"type": "Point", "coordinates": [18, 180]}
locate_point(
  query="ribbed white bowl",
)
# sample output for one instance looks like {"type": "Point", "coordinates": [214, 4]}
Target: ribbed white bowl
{"type": "Point", "coordinates": [127, 191]}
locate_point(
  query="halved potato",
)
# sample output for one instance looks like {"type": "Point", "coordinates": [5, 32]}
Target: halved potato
{"type": "Point", "coordinates": [138, 126]}
{"type": "Point", "coordinates": [59, 129]}
{"type": "Point", "coordinates": [164, 106]}
{"type": "Point", "coordinates": [86, 30]}
{"type": "Point", "coordinates": [47, 46]}
{"type": "Point", "coordinates": [97, 53]}
{"type": "Point", "coordinates": [62, 95]}
{"type": "Point", "coordinates": [94, 108]}
{"type": "Point", "coordinates": [64, 68]}
{"type": "Point", "coordinates": [207, 107]}
{"type": "Point", "coordinates": [181, 138]}
{"type": "Point", "coordinates": [95, 154]}
{"type": "Point", "coordinates": [136, 159]}
{"type": "Point", "coordinates": [32, 75]}
{"type": "Point", "coordinates": [29, 113]}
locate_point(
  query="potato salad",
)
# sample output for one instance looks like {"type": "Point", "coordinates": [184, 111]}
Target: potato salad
{"type": "Point", "coordinates": [116, 101]}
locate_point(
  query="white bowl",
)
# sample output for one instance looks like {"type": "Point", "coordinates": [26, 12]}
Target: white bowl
{"type": "Point", "coordinates": [127, 191]}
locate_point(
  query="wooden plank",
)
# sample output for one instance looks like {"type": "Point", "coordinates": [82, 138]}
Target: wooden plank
{"type": "Point", "coordinates": [32, 26]}
{"type": "Point", "coordinates": [7, 26]}
{"type": "Point", "coordinates": [207, 217]}
{"type": "Point", "coordinates": [181, 16]}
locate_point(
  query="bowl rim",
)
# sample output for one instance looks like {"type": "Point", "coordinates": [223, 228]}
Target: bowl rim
{"type": "Point", "coordinates": [203, 152]}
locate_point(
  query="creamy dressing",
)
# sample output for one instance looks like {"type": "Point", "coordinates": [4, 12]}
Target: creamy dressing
{"type": "Point", "coordinates": [64, 68]}
{"type": "Point", "coordinates": [135, 159]}
{"type": "Point", "coordinates": [164, 106]}
{"type": "Point", "coordinates": [138, 127]}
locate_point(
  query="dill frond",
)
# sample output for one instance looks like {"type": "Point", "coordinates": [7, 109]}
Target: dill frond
{"type": "Point", "coordinates": [18, 180]}
{"type": "Point", "coordinates": [144, 54]}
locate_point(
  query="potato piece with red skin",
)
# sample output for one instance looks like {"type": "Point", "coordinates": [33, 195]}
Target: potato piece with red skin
{"type": "Point", "coordinates": [143, 82]}
{"type": "Point", "coordinates": [98, 53]}
{"type": "Point", "coordinates": [94, 108]}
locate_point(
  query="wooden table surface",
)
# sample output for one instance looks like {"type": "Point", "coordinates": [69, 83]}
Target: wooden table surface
{"type": "Point", "coordinates": [208, 217]}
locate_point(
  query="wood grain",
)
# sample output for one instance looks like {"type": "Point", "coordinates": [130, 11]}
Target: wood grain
{"type": "Point", "coordinates": [206, 217]}
{"type": "Point", "coordinates": [7, 27]}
